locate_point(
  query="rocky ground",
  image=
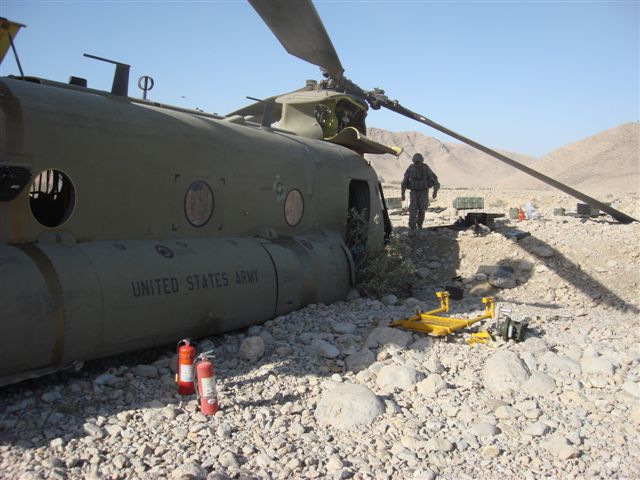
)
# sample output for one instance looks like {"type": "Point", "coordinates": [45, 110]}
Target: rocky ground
{"type": "Point", "coordinates": [332, 392]}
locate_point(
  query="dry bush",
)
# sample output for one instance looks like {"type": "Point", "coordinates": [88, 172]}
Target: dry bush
{"type": "Point", "coordinates": [378, 271]}
{"type": "Point", "coordinates": [498, 203]}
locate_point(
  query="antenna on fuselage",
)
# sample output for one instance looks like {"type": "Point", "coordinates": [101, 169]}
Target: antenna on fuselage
{"type": "Point", "coordinates": [120, 85]}
{"type": "Point", "coordinates": [267, 113]}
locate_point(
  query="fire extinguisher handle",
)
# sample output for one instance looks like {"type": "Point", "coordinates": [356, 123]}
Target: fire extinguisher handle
{"type": "Point", "coordinates": [186, 341]}
{"type": "Point", "coordinates": [208, 353]}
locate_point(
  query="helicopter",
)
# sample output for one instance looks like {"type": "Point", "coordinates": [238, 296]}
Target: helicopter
{"type": "Point", "coordinates": [126, 223]}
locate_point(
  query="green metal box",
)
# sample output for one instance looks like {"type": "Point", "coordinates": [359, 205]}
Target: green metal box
{"type": "Point", "coordinates": [467, 203]}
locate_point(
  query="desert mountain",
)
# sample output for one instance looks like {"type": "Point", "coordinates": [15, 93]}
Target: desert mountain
{"type": "Point", "coordinates": [456, 165]}
{"type": "Point", "coordinates": [606, 162]}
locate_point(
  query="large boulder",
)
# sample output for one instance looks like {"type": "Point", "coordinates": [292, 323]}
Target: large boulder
{"type": "Point", "coordinates": [343, 327]}
{"type": "Point", "coordinates": [433, 384]}
{"type": "Point", "coordinates": [252, 348]}
{"type": "Point", "coordinates": [147, 371]}
{"type": "Point", "coordinates": [391, 377]}
{"type": "Point", "coordinates": [535, 345]}
{"type": "Point", "coordinates": [347, 406]}
{"type": "Point", "coordinates": [632, 388]}
{"type": "Point", "coordinates": [360, 360]}
{"type": "Point", "coordinates": [504, 372]}
{"type": "Point", "coordinates": [597, 366]}
{"type": "Point", "coordinates": [389, 299]}
{"type": "Point", "coordinates": [323, 348]}
{"type": "Point", "coordinates": [559, 363]}
{"type": "Point", "coordinates": [189, 471]}
{"type": "Point", "coordinates": [559, 446]}
{"type": "Point", "coordinates": [388, 336]}
{"type": "Point", "coordinates": [539, 384]}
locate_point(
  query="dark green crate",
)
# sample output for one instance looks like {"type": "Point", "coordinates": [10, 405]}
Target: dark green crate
{"type": "Point", "coordinates": [467, 203]}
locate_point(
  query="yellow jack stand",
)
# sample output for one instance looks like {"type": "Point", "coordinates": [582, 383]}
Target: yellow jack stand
{"type": "Point", "coordinates": [432, 324]}
{"type": "Point", "coordinates": [482, 337]}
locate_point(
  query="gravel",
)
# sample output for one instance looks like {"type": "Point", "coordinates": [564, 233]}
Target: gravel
{"type": "Point", "coordinates": [330, 392]}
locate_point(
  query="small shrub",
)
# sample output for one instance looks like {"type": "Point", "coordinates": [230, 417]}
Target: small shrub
{"type": "Point", "coordinates": [378, 271]}
{"type": "Point", "coordinates": [498, 203]}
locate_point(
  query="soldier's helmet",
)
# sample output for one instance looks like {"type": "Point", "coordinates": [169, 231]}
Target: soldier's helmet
{"type": "Point", "coordinates": [418, 158]}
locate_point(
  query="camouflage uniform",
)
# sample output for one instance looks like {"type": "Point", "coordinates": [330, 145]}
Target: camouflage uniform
{"type": "Point", "coordinates": [419, 178]}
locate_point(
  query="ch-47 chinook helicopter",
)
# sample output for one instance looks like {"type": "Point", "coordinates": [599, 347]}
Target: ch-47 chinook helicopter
{"type": "Point", "coordinates": [126, 224]}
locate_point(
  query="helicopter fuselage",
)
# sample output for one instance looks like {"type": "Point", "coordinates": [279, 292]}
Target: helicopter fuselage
{"type": "Point", "coordinates": [141, 224]}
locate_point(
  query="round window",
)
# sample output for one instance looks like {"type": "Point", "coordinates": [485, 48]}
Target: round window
{"type": "Point", "coordinates": [52, 198]}
{"type": "Point", "coordinates": [293, 207]}
{"type": "Point", "coordinates": [198, 203]}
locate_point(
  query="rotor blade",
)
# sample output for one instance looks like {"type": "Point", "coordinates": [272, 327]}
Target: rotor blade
{"type": "Point", "coordinates": [396, 107]}
{"type": "Point", "coordinates": [8, 31]}
{"type": "Point", "coordinates": [297, 25]}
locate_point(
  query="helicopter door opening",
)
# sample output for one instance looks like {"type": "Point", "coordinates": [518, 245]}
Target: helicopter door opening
{"type": "Point", "coordinates": [358, 217]}
{"type": "Point", "coordinates": [388, 228]}
{"type": "Point", "coordinates": [52, 198]}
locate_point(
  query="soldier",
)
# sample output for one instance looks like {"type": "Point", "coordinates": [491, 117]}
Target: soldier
{"type": "Point", "coordinates": [418, 178]}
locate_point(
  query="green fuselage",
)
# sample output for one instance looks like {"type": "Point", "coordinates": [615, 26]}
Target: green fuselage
{"type": "Point", "coordinates": [143, 224]}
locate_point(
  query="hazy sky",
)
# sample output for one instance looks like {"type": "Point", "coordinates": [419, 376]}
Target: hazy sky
{"type": "Point", "coordinates": [523, 76]}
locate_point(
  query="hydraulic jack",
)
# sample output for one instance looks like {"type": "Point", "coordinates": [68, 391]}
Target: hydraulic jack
{"type": "Point", "coordinates": [435, 325]}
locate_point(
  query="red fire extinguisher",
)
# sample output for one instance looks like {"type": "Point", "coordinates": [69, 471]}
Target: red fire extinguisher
{"type": "Point", "coordinates": [186, 357]}
{"type": "Point", "coordinates": [206, 378]}
{"type": "Point", "coordinates": [520, 215]}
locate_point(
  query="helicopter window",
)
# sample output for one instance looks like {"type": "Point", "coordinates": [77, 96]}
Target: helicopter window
{"type": "Point", "coordinates": [293, 207]}
{"type": "Point", "coordinates": [198, 203]}
{"type": "Point", "coordinates": [52, 198]}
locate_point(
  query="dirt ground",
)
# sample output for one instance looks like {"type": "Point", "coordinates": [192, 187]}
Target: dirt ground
{"type": "Point", "coordinates": [564, 403]}
{"type": "Point", "coordinates": [565, 259]}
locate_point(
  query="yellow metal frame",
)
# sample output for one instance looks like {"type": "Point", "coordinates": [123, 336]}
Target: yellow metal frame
{"type": "Point", "coordinates": [8, 31]}
{"type": "Point", "coordinates": [433, 324]}
{"type": "Point", "coordinates": [482, 337]}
